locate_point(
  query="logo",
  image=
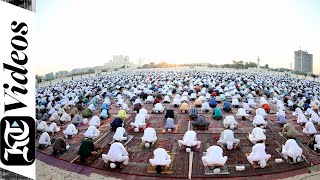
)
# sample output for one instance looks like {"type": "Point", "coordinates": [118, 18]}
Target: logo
{"type": "Point", "coordinates": [17, 140]}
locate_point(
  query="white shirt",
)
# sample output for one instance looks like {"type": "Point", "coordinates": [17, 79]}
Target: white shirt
{"type": "Point", "coordinates": [95, 121]}
{"type": "Point", "coordinates": [116, 151]}
{"type": "Point", "coordinates": [71, 128]}
{"type": "Point", "coordinates": [149, 134]}
{"type": "Point", "coordinates": [45, 138]}
{"type": "Point", "coordinates": [91, 131]}
{"type": "Point", "coordinates": [119, 133]}
{"type": "Point", "coordinates": [215, 155]}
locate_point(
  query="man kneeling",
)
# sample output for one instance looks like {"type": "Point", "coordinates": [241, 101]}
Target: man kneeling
{"type": "Point", "coordinates": [227, 139]}
{"type": "Point", "coordinates": [161, 158]}
{"type": "Point", "coordinates": [117, 154]}
{"type": "Point", "coordinates": [291, 149]}
{"type": "Point", "coordinates": [201, 123]}
{"type": "Point", "coordinates": [190, 140]}
{"type": "Point", "coordinates": [259, 154]}
{"type": "Point", "coordinates": [149, 137]}
{"type": "Point", "coordinates": [215, 158]}
{"type": "Point", "coordinates": [87, 149]}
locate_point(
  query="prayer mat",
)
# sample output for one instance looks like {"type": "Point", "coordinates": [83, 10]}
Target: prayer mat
{"type": "Point", "coordinates": [166, 170]}
{"type": "Point", "coordinates": [90, 159]}
{"type": "Point", "coordinates": [165, 131]}
{"type": "Point", "coordinates": [289, 160]}
{"type": "Point", "coordinates": [123, 142]}
{"type": "Point", "coordinates": [152, 145]}
{"type": "Point", "coordinates": [255, 164]}
{"type": "Point", "coordinates": [208, 170]}
{"type": "Point", "coordinates": [141, 130]}
{"type": "Point", "coordinates": [317, 152]}
{"type": "Point", "coordinates": [201, 127]}
{"type": "Point", "coordinates": [42, 147]}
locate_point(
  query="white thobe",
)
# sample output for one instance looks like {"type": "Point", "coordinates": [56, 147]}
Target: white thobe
{"type": "Point", "coordinates": [95, 121]}
{"type": "Point", "coordinates": [65, 117]}
{"type": "Point", "coordinates": [71, 130]}
{"type": "Point", "coordinates": [242, 112]}
{"type": "Point", "coordinates": [259, 120]}
{"type": "Point", "coordinates": [91, 106]}
{"type": "Point", "coordinates": [45, 139]}
{"type": "Point", "coordinates": [189, 138]}
{"type": "Point", "coordinates": [229, 121]}
{"type": "Point", "coordinates": [92, 132]}
{"type": "Point", "coordinates": [302, 118]}
{"type": "Point", "coordinates": [291, 149]}
{"type": "Point", "coordinates": [214, 156]}
{"type": "Point", "coordinates": [309, 128]}
{"type": "Point", "coordinates": [258, 153]}
{"type": "Point", "coordinates": [166, 99]}
{"type": "Point", "coordinates": [176, 101]}
{"type": "Point", "coordinates": [139, 121]}
{"type": "Point", "coordinates": [257, 134]}
{"type": "Point", "coordinates": [53, 128]}
{"type": "Point", "coordinates": [149, 135]}
{"type": "Point", "coordinates": [117, 153]}
{"type": "Point", "coordinates": [315, 118]}
{"type": "Point", "coordinates": [119, 134]}
{"type": "Point", "coordinates": [161, 157]}
{"type": "Point", "coordinates": [205, 106]}
{"type": "Point", "coordinates": [158, 107]}
{"type": "Point", "coordinates": [42, 126]}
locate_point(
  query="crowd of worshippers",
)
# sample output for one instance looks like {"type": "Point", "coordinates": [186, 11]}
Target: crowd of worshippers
{"type": "Point", "coordinates": [189, 91]}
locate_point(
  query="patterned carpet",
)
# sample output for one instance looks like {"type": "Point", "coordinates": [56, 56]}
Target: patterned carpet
{"type": "Point", "coordinates": [139, 157]}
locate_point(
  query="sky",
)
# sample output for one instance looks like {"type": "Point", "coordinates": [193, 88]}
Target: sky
{"type": "Point", "coordinates": [82, 33]}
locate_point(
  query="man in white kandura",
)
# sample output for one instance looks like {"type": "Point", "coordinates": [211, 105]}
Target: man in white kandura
{"type": "Point", "coordinates": [190, 140]}
{"type": "Point", "coordinates": [257, 135]}
{"type": "Point", "coordinates": [149, 137]}
{"type": "Point", "coordinates": [259, 121]}
{"type": "Point", "coordinates": [120, 134]}
{"type": "Point", "coordinates": [230, 122]}
{"type": "Point", "coordinates": [45, 139]}
{"type": "Point", "coordinates": [71, 130]}
{"type": "Point", "coordinates": [291, 149]}
{"type": "Point", "coordinates": [92, 132]}
{"type": "Point", "coordinates": [259, 155]}
{"type": "Point", "coordinates": [139, 122]}
{"type": "Point", "coordinates": [309, 128]}
{"type": "Point", "coordinates": [117, 153]}
{"type": "Point", "coordinates": [214, 157]}
{"type": "Point", "coordinates": [227, 139]}
{"type": "Point", "coordinates": [242, 114]}
{"type": "Point", "coordinates": [161, 157]}
{"type": "Point", "coordinates": [95, 121]}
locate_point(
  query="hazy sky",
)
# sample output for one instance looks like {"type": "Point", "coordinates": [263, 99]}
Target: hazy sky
{"type": "Point", "coordinates": [79, 33]}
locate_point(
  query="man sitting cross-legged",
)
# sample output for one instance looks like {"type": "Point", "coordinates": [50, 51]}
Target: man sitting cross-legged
{"type": "Point", "coordinates": [161, 158]}
{"type": "Point", "coordinates": [227, 139]}
{"type": "Point", "coordinates": [190, 140]}
{"type": "Point", "coordinates": [214, 157]}
{"type": "Point", "coordinates": [117, 154]}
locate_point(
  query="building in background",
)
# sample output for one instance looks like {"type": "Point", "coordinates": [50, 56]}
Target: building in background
{"type": "Point", "coordinates": [49, 76]}
{"type": "Point", "coordinates": [258, 63]}
{"type": "Point", "coordinates": [303, 61]}
{"type": "Point", "coordinates": [119, 61]}
{"type": "Point", "coordinates": [60, 74]}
